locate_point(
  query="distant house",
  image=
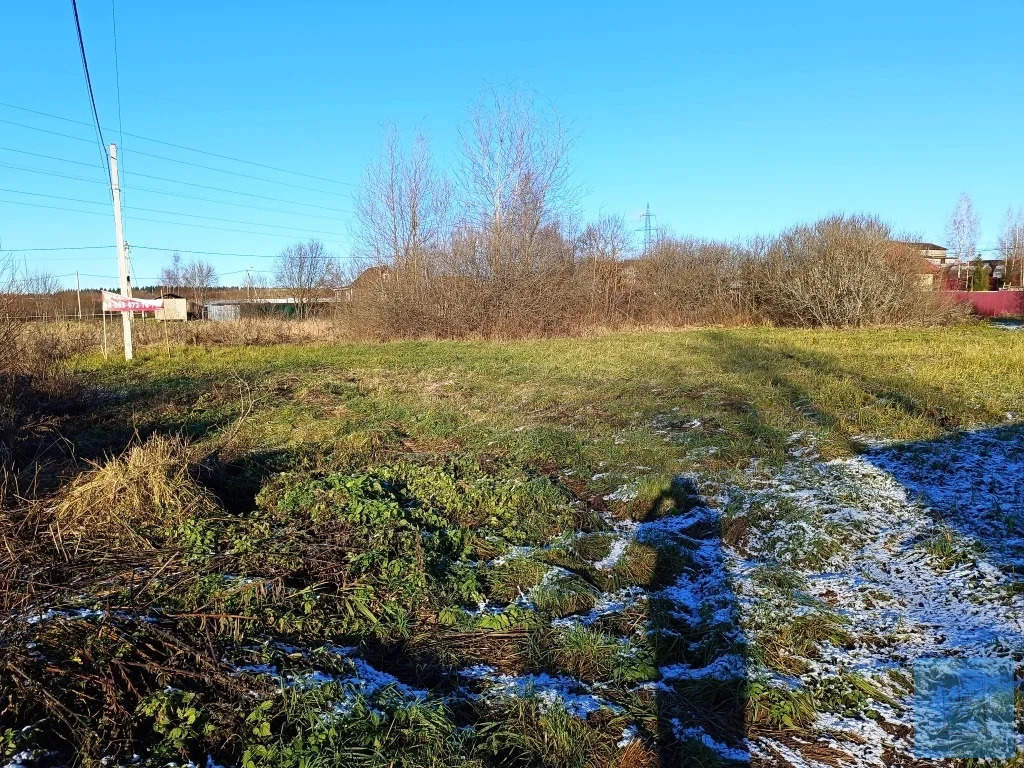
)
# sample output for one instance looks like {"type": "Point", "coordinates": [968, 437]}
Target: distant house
{"type": "Point", "coordinates": [370, 279]}
{"type": "Point", "coordinates": [175, 308]}
{"type": "Point", "coordinates": [932, 276]}
{"type": "Point", "coordinates": [934, 254]}
{"type": "Point", "coordinates": [932, 271]}
{"type": "Point", "coordinates": [958, 275]}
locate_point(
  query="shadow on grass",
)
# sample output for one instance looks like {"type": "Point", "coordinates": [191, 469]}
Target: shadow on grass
{"type": "Point", "coordinates": [972, 480]}
{"type": "Point", "coordinates": [790, 372]}
{"type": "Point", "coordinates": [89, 424]}
{"type": "Point", "coordinates": [698, 646]}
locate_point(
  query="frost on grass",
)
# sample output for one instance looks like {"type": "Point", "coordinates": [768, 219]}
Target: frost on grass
{"type": "Point", "coordinates": [851, 569]}
{"type": "Point", "coordinates": [577, 698]}
{"type": "Point", "coordinates": [698, 734]}
{"type": "Point", "coordinates": [975, 480]}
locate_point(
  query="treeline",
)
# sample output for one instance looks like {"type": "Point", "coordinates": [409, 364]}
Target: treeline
{"type": "Point", "coordinates": [491, 247]}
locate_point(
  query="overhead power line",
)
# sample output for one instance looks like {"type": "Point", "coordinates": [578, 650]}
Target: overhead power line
{"type": "Point", "coordinates": [176, 213]}
{"type": "Point", "coordinates": [88, 85]}
{"type": "Point", "coordinates": [52, 173]}
{"type": "Point", "coordinates": [221, 253]}
{"type": "Point", "coordinates": [233, 221]}
{"type": "Point", "coordinates": [153, 221]}
{"type": "Point", "coordinates": [62, 248]}
{"type": "Point", "coordinates": [47, 130]}
{"type": "Point", "coordinates": [53, 207]}
{"type": "Point", "coordinates": [51, 197]}
{"type": "Point", "coordinates": [207, 226]}
{"type": "Point", "coordinates": [117, 73]}
{"type": "Point", "coordinates": [117, 85]}
{"type": "Point", "coordinates": [48, 157]}
{"type": "Point", "coordinates": [241, 175]}
{"type": "Point", "coordinates": [188, 149]}
{"type": "Point", "coordinates": [177, 181]}
{"type": "Point", "coordinates": [236, 205]}
{"type": "Point", "coordinates": [236, 192]}
{"type": "Point", "coordinates": [166, 249]}
{"type": "Point", "coordinates": [203, 253]}
{"type": "Point", "coordinates": [184, 162]}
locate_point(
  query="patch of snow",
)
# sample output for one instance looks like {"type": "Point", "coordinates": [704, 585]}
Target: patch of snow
{"type": "Point", "coordinates": [624, 494]}
{"type": "Point", "coordinates": [724, 751]}
{"type": "Point", "coordinates": [576, 697]}
{"type": "Point", "coordinates": [899, 602]}
{"type": "Point", "coordinates": [21, 759]}
{"type": "Point", "coordinates": [614, 554]}
{"type": "Point", "coordinates": [608, 603]}
{"type": "Point", "coordinates": [728, 667]}
{"type": "Point", "coordinates": [53, 613]}
{"type": "Point", "coordinates": [629, 735]}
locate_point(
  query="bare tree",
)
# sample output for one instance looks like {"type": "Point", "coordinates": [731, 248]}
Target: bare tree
{"type": "Point", "coordinates": [402, 206]}
{"type": "Point", "coordinates": [308, 272]}
{"type": "Point", "coordinates": [171, 277]}
{"type": "Point", "coordinates": [1011, 247]}
{"type": "Point", "coordinates": [962, 234]}
{"type": "Point", "coordinates": [198, 277]}
{"type": "Point", "coordinates": [404, 232]}
{"type": "Point", "coordinates": [37, 287]}
{"type": "Point", "coordinates": [37, 282]}
{"type": "Point", "coordinates": [515, 177]}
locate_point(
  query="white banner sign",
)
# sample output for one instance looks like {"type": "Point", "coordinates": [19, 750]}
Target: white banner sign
{"type": "Point", "coordinates": [115, 302]}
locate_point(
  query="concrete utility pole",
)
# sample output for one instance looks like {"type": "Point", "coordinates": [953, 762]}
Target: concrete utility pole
{"type": "Point", "coordinates": [78, 292]}
{"type": "Point", "coordinates": [122, 253]}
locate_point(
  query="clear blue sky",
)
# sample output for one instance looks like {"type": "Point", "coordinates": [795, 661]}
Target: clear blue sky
{"type": "Point", "coordinates": [730, 120]}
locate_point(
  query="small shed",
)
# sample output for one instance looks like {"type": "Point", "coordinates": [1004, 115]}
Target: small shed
{"type": "Point", "coordinates": [225, 310]}
{"type": "Point", "coordinates": [221, 311]}
{"type": "Point", "coordinates": [175, 308]}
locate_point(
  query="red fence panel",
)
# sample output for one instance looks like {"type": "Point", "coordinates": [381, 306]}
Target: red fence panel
{"type": "Point", "coordinates": [991, 303]}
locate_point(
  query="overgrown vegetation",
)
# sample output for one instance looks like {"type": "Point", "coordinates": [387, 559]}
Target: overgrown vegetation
{"type": "Point", "coordinates": [488, 247]}
{"type": "Point", "coordinates": [420, 554]}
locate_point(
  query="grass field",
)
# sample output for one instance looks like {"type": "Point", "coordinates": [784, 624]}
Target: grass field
{"type": "Point", "coordinates": [701, 547]}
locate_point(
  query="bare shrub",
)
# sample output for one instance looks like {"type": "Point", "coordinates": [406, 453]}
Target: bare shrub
{"type": "Point", "coordinates": [687, 281]}
{"type": "Point", "coordinates": [10, 334]}
{"type": "Point", "coordinates": [35, 384]}
{"type": "Point", "coordinates": [602, 276]}
{"type": "Point", "coordinates": [403, 231]}
{"type": "Point", "coordinates": [254, 332]}
{"type": "Point", "coordinates": [488, 255]}
{"type": "Point", "coordinates": [842, 271]}
{"type": "Point", "coordinates": [516, 195]}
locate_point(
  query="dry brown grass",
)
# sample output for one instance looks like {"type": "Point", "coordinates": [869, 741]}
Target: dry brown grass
{"type": "Point", "coordinates": [86, 337]}
{"type": "Point", "coordinates": [256, 331]}
{"type": "Point", "coordinates": [134, 500]}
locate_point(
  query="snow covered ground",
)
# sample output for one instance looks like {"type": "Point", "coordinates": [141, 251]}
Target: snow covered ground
{"type": "Point", "coordinates": [902, 597]}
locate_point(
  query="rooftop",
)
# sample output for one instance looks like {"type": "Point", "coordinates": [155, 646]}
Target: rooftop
{"type": "Point", "coordinates": [924, 246]}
